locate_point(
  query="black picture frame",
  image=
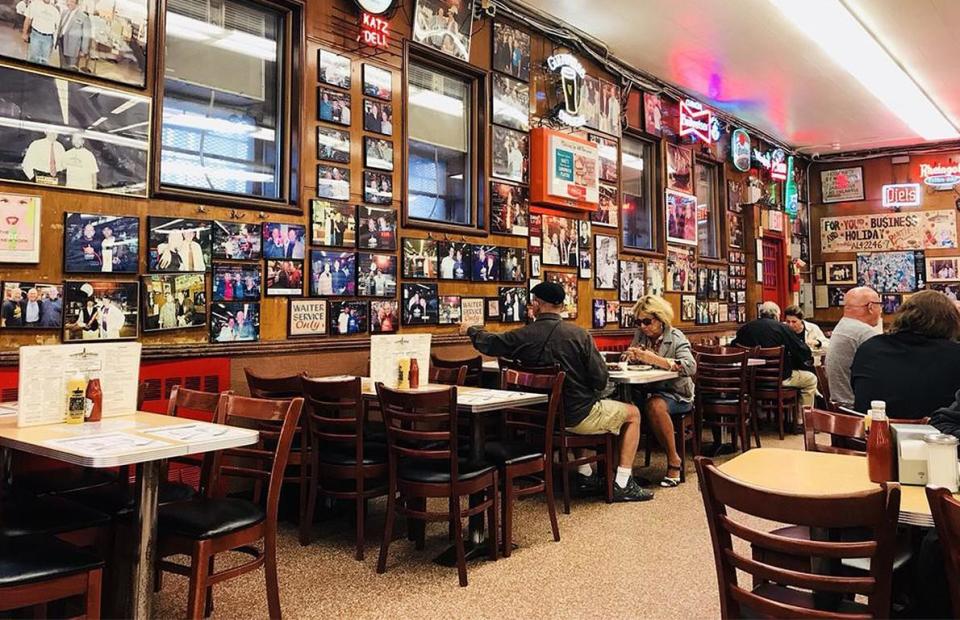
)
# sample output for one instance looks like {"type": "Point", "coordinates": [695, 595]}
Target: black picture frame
{"type": "Point", "coordinates": [381, 236]}
{"type": "Point", "coordinates": [124, 294]}
{"type": "Point", "coordinates": [167, 243]}
{"type": "Point", "coordinates": [361, 315]}
{"type": "Point", "coordinates": [449, 267]}
{"type": "Point", "coordinates": [241, 270]}
{"type": "Point", "coordinates": [341, 277]}
{"type": "Point", "coordinates": [223, 313]}
{"type": "Point", "coordinates": [374, 111]}
{"type": "Point", "coordinates": [333, 144]}
{"type": "Point", "coordinates": [333, 224]}
{"type": "Point", "coordinates": [373, 187]}
{"type": "Point", "coordinates": [49, 312]}
{"type": "Point", "coordinates": [378, 153]}
{"type": "Point", "coordinates": [239, 241]}
{"type": "Point", "coordinates": [368, 284]}
{"type": "Point", "coordinates": [372, 74]}
{"type": "Point", "coordinates": [181, 287]}
{"type": "Point", "coordinates": [389, 323]}
{"type": "Point", "coordinates": [419, 304]}
{"type": "Point", "coordinates": [330, 105]}
{"type": "Point", "coordinates": [282, 276]}
{"type": "Point", "coordinates": [84, 254]}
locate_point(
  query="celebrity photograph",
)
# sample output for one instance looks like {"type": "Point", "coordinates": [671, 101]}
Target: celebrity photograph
{"type": "Point", "coordinates": [378, 154]}
{"type": "Point", "coordinates": [378, 117]}
{"type": "Point", "coordinates": [511, 103]}
{"type": "Point", "coordinates": [511, 51]}
{"type": "Point", "coordinates": [384, 316]}
{"type": "Point", "coordinates": [376, 275]}
{"type": "Point", "coordinates": [31, 305]}
{"type": "Point", "coordinates": [236, 241]}
{"type": "Point", "coordinates": [419, 258]}
{"type": "Point", "coordinates": [348, 318]}
{"type": "Point", "coordinates": [632, 280]}
{"type": "Point", "coordinates": [333, 182]}
{"type": "Point", "coordinates": [334, 69]}
{"type": "Point", "coordinates": [174, 301]}
{"type": "Point", "coordinates": [509, 209]}
{"type": "Point", "coordinates": [333, 106]}
{"type": "Point", "coordinates": [377, 188]}
{"type": "Point", "coordinates": [377, 82]}
{"type": "Point", "coordinates": [420, 304]}
{"type": "Point", "coordinates": [560, 238]}
{"type": "Point", "coordinates": [449, 312]}
{"type": "Point", "coordinates": [236, 282]}
{"type": "Point", "coordinates": [333, 224]}
{"type": "Point", "coordinates": [569, 283]}
{"type": "Point", "coordinates": [511, 154]}
{"type": "Point", "coordinates": [513, 263]}
{"type": "Point", "coordinates": [609, 166]}
{"type": "Point", "coordinates": [333, 145]}
{"type": "Point", "coordinates": [282, 240]}
{"type": "Point", "coordinates": [332, 273]}
{"type": "Point", "coordinates": [605, 263]}
{"type": "Point", "coordinates": [486, 263]}
{"type": "Point", "coordinates": [100, 243]}
{"type": "Point", "coordinates": [234, 321]}
{"type": "Point", "coordinates": [284, 278]}
{"type": "Point", "coordinates": [444, 25]}
{"type": "Point", "coordinates": [378, 228]}
{"type": "Point", "coordinates": [599, 313]}
{"type": "Point", "coordinates": [607, 212]}
{"type": "Point", "coordinates": [177, 244]}
{"type": "Point", "coordinates": [455, 259]}
{"type": "Point", "coordinates": [100, 310]}
{"type": "Point", "coordinates": [513, 303]}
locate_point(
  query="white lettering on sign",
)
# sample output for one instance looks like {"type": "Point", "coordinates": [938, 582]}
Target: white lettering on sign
{"type": "Point", "coordinates": [695, 120]}
{"type": "Point", "coordinates": [901, 195]}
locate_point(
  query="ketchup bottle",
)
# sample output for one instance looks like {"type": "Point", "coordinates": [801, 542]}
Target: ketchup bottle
{"type": "Point", "coordinates": [94, 398]}
{"type": "Point", "coordinates": [414, 374]}
{"type": "Point", "coordinates": [880, 444]}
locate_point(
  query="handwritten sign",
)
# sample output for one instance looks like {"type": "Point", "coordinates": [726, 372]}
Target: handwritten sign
{"type": "Point", "coordinates": [889, 231]}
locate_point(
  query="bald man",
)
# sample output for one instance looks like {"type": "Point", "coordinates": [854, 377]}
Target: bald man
{"type": "Point", "coordinates": [862, 311]}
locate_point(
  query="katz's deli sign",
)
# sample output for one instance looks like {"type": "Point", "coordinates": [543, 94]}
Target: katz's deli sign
{"type": "Point", "coordinates": [922, 230]}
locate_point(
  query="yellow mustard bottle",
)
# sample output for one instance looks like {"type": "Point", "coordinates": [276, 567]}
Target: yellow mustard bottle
{"type": "Point", "coordinates": [76, 399]}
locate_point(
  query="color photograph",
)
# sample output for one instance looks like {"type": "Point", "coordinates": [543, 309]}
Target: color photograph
{"type": "Point", "coordinates": [348, 318]}
{"type": "Point", "coordinates": [377, 188]}
{"type": "Point", "coordinates": [333, 182]}
{"type": "Point", "coordinates": [569, 283]}
{"type": "Point", "coordinates": [100, 243]}
{"type": "Point", "coordinates": [599, 313]}
{"type": "Point", "coordinates": [236, 241]}
{"type": "Point", "coordinates": [234, 321]}
{"type": "Point", "coordinates": [607, 212]}
{"type": "Point", "coordinates": [377, 82]}
{"type": "Point", "coordinates": [333, 224]}
{"type": "Point", "coordinates": [378, 154]}
{"type": "Point", "coordinates": [332, 273]}
{"type": "Point", "coordinates": [177, 244]}
{"type": "Point", "coordinates": [681, 218]}
{"type": "Point", "coordinates": [31, 305]}
{"type": "Point", "coordinates": [100, 310]}
{"type": "Point", "coordinates": [174, 301]}
{"type": "Point", "coordinates": [334, 69]}
{"type": "Point", "coordinates": [455, 257]}
{"type": "Point", "coordinates": [384, 316]}
{"type": "Point", "coordinates": [378, 117]}
{"type": "Point", "coordinates": [679, 169]}
{"type": "Point", "coordinates": [942, 268]}
{"type": "Point", "coordinates": [236, 282]}
{"type": "Point", "coordinates": [282, 240]}
{"type": "Point", "coordinates": [887, 272]}
{"type": "Point", "coordinates": [449, 313]}
{"type": "Point", "coordinates": [486, 263]}
{"type": "Point", "coordinates": [511, 154]}
{"type": "Point", "coordinates": [420, 304]}
{"type": "Point", "coordinates": [376, 275]}
{"type": "Point", "coordinates": [419, 258]}
{"type": "Point", "coordinates": [511, 103]}
{"type": "Point", "coordinates": [444, 25]}
{"type": "Point", "coordinates": [509, 209]}
{"type": "Point", "coordinates": [613, 311]}
{"type": "Point", "coordinates": [333, 106]}
{"type": "Point", "coordinates": [284, 277]}
{"type": "Point", "coordinates": [333, 145]}
{"type": "Point", "coordinates": [378, 228]}
{"type": "Point", "coordinates": [511, 51]}
{"type": "Point", "coordinates": [513, 263]}
{"type": "Point", "coordinates": [681, 270]}
{"type": "Point", "coordinates": [560, 237]}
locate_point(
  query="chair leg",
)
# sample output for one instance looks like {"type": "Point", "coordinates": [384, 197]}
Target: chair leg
{"type": "Point", "coordinates": [507, 518]}
{"type": "Point", "coordinates": [780, 418]}
{"type": "Point", "coordinates": [272, 578]}
{"type": "Point", "coordinates": [551, 501]}
{"type": "Point", "coordinates": [309, 512]}
{"type": "Point", "coordinates": [458, 540]}
{"type": "Point", "coordinates": [493, 516]}
{"type": "Point", "coordinates": [609, 458]}
{"type": "Point", "coordinates": [361, 508]}
{"type": "Point", "coordinates": [680, 433]}
{"type": "Point", "coordinates": [208, 607]}
{"type": "Point", "coordinates": [387, 531]}
{"type": "Point", "coordinates": [306, 476]}
{"type": "Point", "coordinates": [742, 429]}
{"type": "Point", "coordinates": [565, 479]}
{"type": "Point", "coordinates": [647, 445]}
{"type": "Point", "coordinates": [418, 526]}
{"type": "Point", "coordinates": [199, 565]}
{"type": "Point", "coordinates": [94, 584]}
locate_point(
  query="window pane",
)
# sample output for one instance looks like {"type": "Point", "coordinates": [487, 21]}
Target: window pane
{"type": "Point", "coordinates": [438, 122]}
{"type": "Point", "coordinates": [221, 102]}
{"type": "Point", "coordinates": [707, 209]}
{"type": "Point", "coordinates": [636, 173]}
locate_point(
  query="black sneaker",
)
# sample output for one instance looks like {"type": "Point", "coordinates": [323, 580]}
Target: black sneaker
{"type": "Point", "coordinates": [587, 485]}
{"type": "Point", "coordinates": [631, 493]}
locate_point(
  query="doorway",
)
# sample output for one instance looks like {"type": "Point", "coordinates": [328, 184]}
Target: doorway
{"type": "Point", "coordinates": [774, 272]}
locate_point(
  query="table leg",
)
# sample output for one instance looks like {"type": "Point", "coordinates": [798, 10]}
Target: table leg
{"type": "Point", "coordinates": [148, 483]}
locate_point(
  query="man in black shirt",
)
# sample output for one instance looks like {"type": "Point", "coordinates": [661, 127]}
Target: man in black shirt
{"type": "Point", "coordinates": [550, 340]}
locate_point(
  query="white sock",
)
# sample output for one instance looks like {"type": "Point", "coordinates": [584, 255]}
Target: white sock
{"type": "Point", "coordinates": [585, 470]}
{"type": "Point", "coordinates": [623, 476]}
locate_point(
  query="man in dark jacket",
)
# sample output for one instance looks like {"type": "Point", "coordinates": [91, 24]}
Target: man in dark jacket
{"type": "Point", "coordinates": [550, 340]}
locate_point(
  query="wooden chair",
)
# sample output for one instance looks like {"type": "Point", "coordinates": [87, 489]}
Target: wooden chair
{"type": "Point", "coordinates": [705, 348]}
{"type": "Point", "coordinates": [424, 462]}
{"type": "Point", "coordinates": [767, 389]}
{"type": "Point", "coordinates": [193, 405]}
{"type": "Point", "coordinates": [214, 523]}
{"type": "Point", "coordinates": [474, 366]}
{"type": "Point", "coordinates": [847, 435]}
{"type": "Point", "coordinates": [339, 451]}
{"type": "Point", "coordinates": [784, 593]}
{"type": "Point", "coordinates": [448, 375]}
{"type": "Point", "coordinates": [528, 439]}
{"type": "Point", "coordinates": [946, 516]}
{"type": "Point", "coordinates": [722, 398]}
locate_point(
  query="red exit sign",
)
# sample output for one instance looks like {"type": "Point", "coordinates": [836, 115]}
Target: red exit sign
{"type": "Point", "coordinates": [901, 195]}
{"type": "Point", "coordinates": [374, 31]}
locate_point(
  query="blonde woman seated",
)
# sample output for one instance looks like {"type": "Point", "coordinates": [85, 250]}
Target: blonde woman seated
{"type": "Point", "coordinates": [663, 346]}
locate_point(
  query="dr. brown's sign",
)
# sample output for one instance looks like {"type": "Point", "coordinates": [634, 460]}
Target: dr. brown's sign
{"type": "Point", "coordinates": [901, 195]}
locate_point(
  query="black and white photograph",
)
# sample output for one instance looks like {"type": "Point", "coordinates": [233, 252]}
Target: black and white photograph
{"type": "Point", "coordinates": [583, 234]}
{"type": "Point", "coordinates": [713, 291]}
{"type": "Point", "coordinates": [281, 240]}
{"type": "Point", "coordinates": [177, 244]}
{"type": "Point", "coordinates": [348, 318]}
{"type": "Point", "coordinates": [560, 237]}
{"type": "Point", "coordinates": [601, 105]}
{"type": "Point", "coordinates": [607, 212]}
{"type": "Point", "coordinates": [378, 117]}
{"type": "Point", "coordinates": [333, 106]}
{"type": "Point", "coordinates": [100, 310]}
{"type": "Point", "coordinates": [626, 317]}
{"type": "Point", "coordinates": [333, 224]}
{"type": "Point", "coordinates": [333, 182]}
{"type": "Point", "coordinates": [334, 69]}
{"type": "Point", "coordinates": [703, 282]}
{"type": "Point", "coordinates": [584, 265]}
{"type": "Point", "coordinates": [688, 308]}
{"type": "Point", "coordinates": [62, 133]}
{"type": "Point", "coordinates": [377, 187]}
{"type": "Point", "coordinates": [486, 263]}
{"type": "Point", "coordinates": [420, 304]}
{"type": "Point", "coordinates": [511, 103]}
{"type": "Point", "coordinates": [384, 316]}
{"type": "Point", "coordinates": [723, 289]}
{"type": "Point", "coordinates": [376, 275]}
{"type": "Point", "coordinates": [511, 154]}
{"type": "Point", "coordinates": [378, 228]}
{"type": "Point", "coordinates": [31, 305]}
{"type": "Point", "coordinates": [609, 160]}
{"type": "Point", "coordinates": [599, 313]}
{"type": "Point", "coordinates": [377, 153]}
{"type": "Point", "coordinates": [449, 312]}
{"type": "Point", "coordinates": [491, 308]}
{"type": "Point", "coordinates": [632, 280]}
{"type": "Point", "coordinates": [605, 263]}
{"type": "Point", "coordinates": [236, 241]}
{"type": "Point", "coordinates": [234, 321]}
{"type": "Point", "coordinates": [232, 282]}
{"type": "Point", "coordinates": [283, 278]}
{"type": "Point", "coordinates": [511, 51]}
{"type": "Point", "coordinates": [513, 303]}
{"type": "Point", "coordinates": [455, 257]}
{"type": "Point", "coordinates": [842, 272]}
{"type": "Point", "coordinates": [95, 243]}
{"type": "Point", "coordinates": [444, 25]}
{"type": "Point", "coordinates": [174, 301]}
{"type": "Point", "coordinates": [513, 263]}
{"type": "Point", "coordinates": [420, 258]}
{"type": "Point", "coordinates": [509, 209]}
{"type": "Point", "coordinates": [332, 273]}
{"type": "Point", "coordinates": [534, 265]}
{"type": "Point", "coordinates": [655, 278]}
{"type": "Point", "coordinates": [377, 82]}
{"type": "Point", "coordinates": [333, 144]}
{"type": "Point", "coordinates": [306, 317]}
{"type": "Point", "coordinates": [835, 295]}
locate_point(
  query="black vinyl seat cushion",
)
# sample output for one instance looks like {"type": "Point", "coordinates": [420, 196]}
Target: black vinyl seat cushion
{"type": "Point", "coordinates": [345, 454]}
{"type": "Point", "coordinates": [510, 451]}
{"type": "Point", "coordinates": [48, 515]}
{"type": "Point", "coordinates": [202, 518]}
{"type": "Point", "coordinates": [36, 558]}
{"type": "Point", "coordinates": [438, 471]}
{"type": "Point", "coordinates": [61, 480]}
{"type": "Point", "coordinates": [117, 499]}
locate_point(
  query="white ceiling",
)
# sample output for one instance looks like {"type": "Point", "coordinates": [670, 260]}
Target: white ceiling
{"type": "Point", "coordinates": [744, 57]}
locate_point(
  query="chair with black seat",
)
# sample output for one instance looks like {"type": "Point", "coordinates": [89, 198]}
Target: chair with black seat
{"type": "Point", "coordinates": [946, 517]}
{"type": "Point", "coordinates": [340, 452]}
{"type": "Point", "coordinates": [521, 455]}
{"type": "Point", "coordinates": [424, 462]}
{"type": "Point", "coordinates": [474, 368]}
{"type": "Point", "coordinates": [214, 523]}
{"type": "Point", "coordinates": [443, 375]}
{"type": "Point", "coordinates": [722, 400]}
{"type": "Point", "coordinates": [805, 591]}
{"type": "Point", "coordinates": [767, 389]}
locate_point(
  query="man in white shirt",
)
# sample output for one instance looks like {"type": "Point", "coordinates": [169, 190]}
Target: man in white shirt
{"type": "Point", "coordinates": [515, 162]}
{"type": "Point", "coordinates": [39, 26]}
{"type": "Point", "coordinates": [21, 9]}
{"type": "Point", "coordinates": [447, 264]}
{"type": "Point", "coordinates": [862, 312]}
{"type": "Point", "coordinates": [81, 165]}
{"type": "Point", "coordinates": [44, 157]}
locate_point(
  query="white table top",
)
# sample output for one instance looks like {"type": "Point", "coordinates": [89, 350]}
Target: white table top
{"type": "Point", "coordinates": [474, 399]}
{"type": "Point", "coordinates": [639, 377]}
{"type": "Point", "coordinates": [125, 440]}
{"type": "Point", "coordinates": [494, 366]}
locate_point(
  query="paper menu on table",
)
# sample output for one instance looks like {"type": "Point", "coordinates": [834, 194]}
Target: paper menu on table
{"type": "Point", "coordinates": [194, 432]}
{"type": "Point", "coordinates": [386, 351]}
{"type": "Point", "coordinates": [103, 445]}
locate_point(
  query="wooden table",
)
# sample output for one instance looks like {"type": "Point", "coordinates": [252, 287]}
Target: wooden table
{"type": "Point", "coordinates": [135, 441]}
{"type": "Point", "coordinates": [819, 473]}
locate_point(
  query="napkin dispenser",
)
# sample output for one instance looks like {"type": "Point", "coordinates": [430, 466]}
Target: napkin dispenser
{"type": "Point", "coordinates": [912, 451]}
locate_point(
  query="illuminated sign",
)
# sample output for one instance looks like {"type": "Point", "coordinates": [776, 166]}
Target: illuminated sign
{"type": "Point", "coordinates": [790, 194]}
{"type": "Point", "coordinates": [374, 31]}
{"type": "Point", "coordinates": [901, 195]}
{"type": "Point", "coordinates": [740, 150]}
{"type": "Point", "coordinates": [571, 75]}
{"type": "Point", "coordinates": [375, 7]}
{"type": "Point", "coordinates": [696, 121]}
{"type": "Point", "coordinates": [940, 177]}
{"type": "Point", "coordinates": [774, 161]}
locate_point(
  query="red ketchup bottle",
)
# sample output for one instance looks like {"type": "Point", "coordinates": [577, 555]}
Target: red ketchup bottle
{"type": "Point", "coordinates": [94, 398]}
{"type": "Point", "coordinates": [414, 374]}
{"type": "Point", "coordinates": [880, 444]}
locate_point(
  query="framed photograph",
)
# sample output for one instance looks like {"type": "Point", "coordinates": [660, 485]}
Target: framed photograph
{"type": "Point", "coordinates": [420, 304]}
{"type": "Point", "coordinates": [583, 234]}
{"type": "Point", "coordinates": [758, 272]}
{"type": "Point", "coordinates": [890, 303]}
{"type": "Point", "coordinates": [284, 277]}
{"type": "Point", "coordinates": [377, 153]}
{"type": "Point", "coordinates": [735, 229]}
{"type": "Point", "coordinates": [652, 114]}
{"type": "Point", "coordinates": [713, 292]}
{"type": "Point", "coordinates": [584, 271]}
{"type": "Point", "coordinates": [64, 133]}
{"type": "Point", "coordinates": [836, 295]}
{"type": "Point", "coordinates": [378, 228]}
{"type": "Point", "coordinates": [378, 117]}
{"type": "Point", "coordinates": [333, 106]}
{"type": "Point", "coordinates": [332, 273]}
{"type": "Point", "coordinates": [535, 238]}
{"type": "Point", "coordinates": [613, 311]}
{"type": "Point", "coordinates": [714, 309]}
{"type": "Point", "coordinates": [333, 144]}
{"type": "Point", "coordinates": [333, 224]}
{"type": "Point", "coordinates": [236, 241]}
{"type": "Point", "coordinates": [534, 265]}
{"type": "Point", "coordinates": [609, 157]}
{"type": "Point", "coordinates": [819, 273]}
{"type": "Point", "coordinates": [177, 244]}
{"type": "Point", "coordinates": [100, 310]}
{"type": "Point", "coordinates": [376, 275]}
{"type": "Point", "coordinates": [450, 312]}
{"type": "Point", "coordinates": [511, 154]}
{"type": "Point", "coordinates": [569, 283]}
{"type": "Point", "coordinates": [513, 264]}
{"type": "Point", "coordinates": [606, 263]}
{"type": "Point", "coordinates": [333, 182]}
{"type": "Point", "coordinates": [688, 308]}
{"type": "Point", "coordinates": [377, 82]}
{"type": "Point", "coordinates": [32, 305]}
{"type": "Point", "coordinates": [377, 187]}
{"type": "Point", "coordinates": [95, 243]}
{"type": "Point", "coordinates": [632, 280]}
{"type": "Point", "coordinates": [420, 258]}
{"type": "Point", "coordinates": [334, 69]}
{"type": "Point", "coordinates": [455, 260]}
{"type": "Point", "coordinates": [486, 263]}
{"type": "Point", "coordinates": [235, 321]}
{"type": "Point", "coordinates": [560, 237]}
{"type": "Point", "coordinates": [174, 301]}
{"type": "Point", "coordinates": [349, 318]}
{"type": "Point", "coordinates": [681, 270]}
{"type": "Point", "coordinates": [724, 283]}
{"type": "Point", "coordinates": [233, 282]}
{"type": "Point", "coordinates": [841, 184]}
{"type": "Point", "coordinates": [282, 240]}
{"type": "Point", "coordinates": [607, 212]}
{"type": "Point", "coordinates": [603, 106]}
{"type": "Point", "coordinates": [679, 169]}
{"type": "Point", "coordinates": [655, 278]}
{"type": "Point", "coordinates": [444, 25]}
{"type": "Point", "coordinates": [703, 282]}
{"type": "Point", "coordinates": [681, 218]}
{"type": "Point", "coordinates": [511, 103]}
{"type": "Point", "coordinates": [306, 318]}
{"type": "Point", "coordinates": [942, 268]}
{"type": "Point", "coordinates": [887, 272]}
{"type": "Point", "coordinates": [952, 291]}
{"type": "Point", "coordinates": [384, 316]}
{"type": "Point", "coordinates": [20, 228]}
{"type": "Point", "coordinates": [599, 316]}
{"type": "Point", "coordinates": [492, 308]}
{"type": "Point", "coordinates": [626, 317]}
{"type": "Point", "coordinates": [511, 51]}
{"type": "Point", "coordinates": [512, 303]}
{"type": "Point", "coordinates": [509, 209]}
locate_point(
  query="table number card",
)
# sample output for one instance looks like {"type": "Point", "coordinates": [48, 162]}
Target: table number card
{"type": "Point", "coordinates": [386, 351]}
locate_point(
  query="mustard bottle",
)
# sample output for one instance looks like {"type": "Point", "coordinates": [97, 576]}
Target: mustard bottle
{"type": "Point", "coordinates": [76, 399]}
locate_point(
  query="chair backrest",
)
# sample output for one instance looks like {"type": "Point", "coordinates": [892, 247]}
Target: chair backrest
{"type": "Point", "coordinates": [841, 427]}
{"type": "Point", "coordinates": [823, 382]}
{"type": "Point", "coordinates": [474, 368]}
{"type": "Point", "coordinates": [193, 404]}
{"type": "Point", "coordinates": [771, 372]}
{"type": "Point", "coordinates": [538, 422]}
{"type": "Point", "coordinates": [705, 348]}
{"type": "Point", "coordinates": [721, 375]}
{"type": "Point", "coordinates": [875, 511]}
{"type": "Point", "coordinates": [448, 376]}
{"type": "Point", "coordinates": [334, 413]}
{"type": "Point", "coordinates": [279, 388]}
{"type": "Point", "coordinates": [946, 516]}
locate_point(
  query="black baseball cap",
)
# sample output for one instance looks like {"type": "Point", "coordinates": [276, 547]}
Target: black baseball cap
{"type": "Point", "coordinates": [550, 292]}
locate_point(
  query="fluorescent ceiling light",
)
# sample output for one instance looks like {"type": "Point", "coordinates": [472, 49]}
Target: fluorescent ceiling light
{"type": "Point", "coordinates": [841, 35]}
{"type": "Point", "coordinates": [438, 102]}
{"type": "Point", "coordinates": [184, 27]}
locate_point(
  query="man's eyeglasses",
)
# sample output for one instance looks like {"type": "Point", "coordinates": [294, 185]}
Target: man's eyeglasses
{"type": "Point", "coordinates": [645, 322]}
{"type": "Point", "coordinates": [868, 304]}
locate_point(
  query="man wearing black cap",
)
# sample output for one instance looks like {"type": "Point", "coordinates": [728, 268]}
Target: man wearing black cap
{"type": "Point", "coordinates": [550, 340]}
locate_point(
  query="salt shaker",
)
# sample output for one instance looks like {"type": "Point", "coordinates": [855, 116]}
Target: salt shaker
{"type": "Point", "coordinates": [942, 461]}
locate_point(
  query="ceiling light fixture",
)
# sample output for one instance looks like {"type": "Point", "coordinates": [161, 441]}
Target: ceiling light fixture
{"type": "Point", "coordinates": [832, 25]}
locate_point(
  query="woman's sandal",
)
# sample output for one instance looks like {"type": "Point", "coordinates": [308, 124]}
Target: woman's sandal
{"type": "Point", "coordinates": [667, 481]}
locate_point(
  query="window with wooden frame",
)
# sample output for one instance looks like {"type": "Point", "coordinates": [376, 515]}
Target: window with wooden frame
{"type": "Point", "coordinates": [708, 208]}
{"type": "Point", "coordinates": [638, 169]}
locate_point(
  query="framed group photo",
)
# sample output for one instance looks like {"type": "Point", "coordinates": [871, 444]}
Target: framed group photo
{"type": "Point", "coordinates": [444, 25]}
{"type": "Point", "coordinates": [236, 241]}
{"type": "Point", "coordinates": [332, 273]}
{"type": "Point", "coordinates": [333, 224]}
{"type": "Point", "coordinates": [179, 244]}
{"type": "Point", "coordinates": [94, 243]}
{"type": "Point", "coordinates": [236, 282]}
{"type": "Point", "coordinates": [31, 305]}
{"type": "Point", "coordinates": [174, 301]}
{"type": "Point", "coordinates": [100, 310]}
{"type": "Point", "coordinates": [234, 321]}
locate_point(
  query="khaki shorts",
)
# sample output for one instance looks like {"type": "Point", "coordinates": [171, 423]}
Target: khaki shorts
{"type": "Point", "coordinates": [607, 416]}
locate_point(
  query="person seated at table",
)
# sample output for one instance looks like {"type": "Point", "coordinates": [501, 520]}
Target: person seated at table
{"type": "Point", "coordinates": [550, 340]}
{"type": "Point", "coordinates": [660, 344]}
{"type": "Point", "coordinates": [914, 367]}
{"type": "Point", "coordinates": [767, 331]}
{"type": "Point", "coordinates": [862, 311]}
{"type": "Point", "coordinates": [809, 332]}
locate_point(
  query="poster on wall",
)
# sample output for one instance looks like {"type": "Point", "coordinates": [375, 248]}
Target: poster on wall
{"type": "Point", "coordinates": [887, 272]}
{"type": "Point", "coordinates": [19, 228]}
{"type": "Point", "coordinates": [842, 184]}
{"type": "Point", "coordinates": [921, 230]}
{"type": "Point", "coordinates": [681, 218]}
{"type": "Point", "coordinates": [679, 169]}
{"type": "Point", "coordinates": [444, 25]}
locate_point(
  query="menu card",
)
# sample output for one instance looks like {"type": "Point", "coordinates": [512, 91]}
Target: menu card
{"type": "Point", "coordinates": [386, 351]}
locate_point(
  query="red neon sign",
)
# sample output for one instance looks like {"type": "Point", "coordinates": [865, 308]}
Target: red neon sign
{"type": "Point", "coordinates": [695, 120]}
{"type": "Point", "coordinates": [374, 31]}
